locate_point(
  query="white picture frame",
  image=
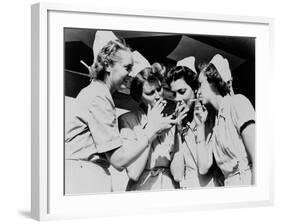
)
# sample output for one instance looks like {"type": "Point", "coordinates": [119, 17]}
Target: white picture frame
{"type": "Point", "coordinates": [47, 199]}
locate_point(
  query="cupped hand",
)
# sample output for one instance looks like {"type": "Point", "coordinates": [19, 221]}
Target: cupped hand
{"type": "Point", "coordinates": [181, 113]}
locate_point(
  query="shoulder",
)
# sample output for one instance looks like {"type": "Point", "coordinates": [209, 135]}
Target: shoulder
{"type": "Point", "coordinates": [96, 94]}
{"type": "Point", "coordinates": [239, 98]}
{"type": "Point", "coordinates": [95, 88]}
{"type": "Point", "coordinates": [242, 111]}
{"type": "Point", "coordinates": [240, 103]}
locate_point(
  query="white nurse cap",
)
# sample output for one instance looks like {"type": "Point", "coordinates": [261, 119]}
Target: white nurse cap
{"type": "Point", "coordinates": [188, 62]}
{"type": "Point", "coordinates": [222, 66]}
{"type": "Point", "coordinates": [140, 63]}
{"type": "Point", "coordinates": [101, 39]}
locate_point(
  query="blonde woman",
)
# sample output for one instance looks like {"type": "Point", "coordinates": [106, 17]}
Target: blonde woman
{"type": "Point", "coordinates": [92, 140]}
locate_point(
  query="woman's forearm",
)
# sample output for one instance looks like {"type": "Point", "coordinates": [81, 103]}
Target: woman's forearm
{"type": "Point", "coordinates": [135, 169]}
{"type": "Point", "coordinates": [248, 136]}
{"type": "Point", "coordinates": [123, 156]}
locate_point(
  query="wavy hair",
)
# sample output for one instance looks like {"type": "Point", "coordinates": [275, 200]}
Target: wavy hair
{"type": "Point", "coordinates": [150, 74]}
{"type": "Point", "coordinates": [178, 72]}
{"type": "Point", "coordinates": [107, 56]}
{"type": "Point", "coordinates": [214, 77]}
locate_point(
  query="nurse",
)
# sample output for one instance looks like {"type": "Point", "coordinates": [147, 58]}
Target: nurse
{"type": "Point", "coordinates": [92, 140]}
{"type": "Point", "coordinates": [152, 170]}
{"type": "Point", "coordinates": [232, 140]}
{"type": "Point", "coordinates": [183, 83]}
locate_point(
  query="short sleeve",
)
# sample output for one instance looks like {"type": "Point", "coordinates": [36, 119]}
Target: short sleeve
{"type": "Point", "coordinates": [103, 125]}
{"type": "Point", "coordinates": [242, 112]}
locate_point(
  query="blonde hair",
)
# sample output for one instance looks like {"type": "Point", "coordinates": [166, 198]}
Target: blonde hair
{"type": "Point", "coordinates": [107, 56]}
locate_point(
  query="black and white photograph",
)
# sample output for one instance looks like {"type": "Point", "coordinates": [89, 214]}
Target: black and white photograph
{"type": "Point", "coordinates": [150, 111]}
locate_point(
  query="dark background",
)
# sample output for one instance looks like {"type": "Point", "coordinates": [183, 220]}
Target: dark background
{"type": "Point", "coordinates": [166, 48]}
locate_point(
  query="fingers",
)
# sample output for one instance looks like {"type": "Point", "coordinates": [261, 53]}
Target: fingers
{"type": "Point", "coordinates": [173, 122]}
{"type": "Point", "coordinates": [148, 108]}
{"type": "Point", "coordinates": [170, 120]}
{"type": "Point", "coordinates": [180, 106]}
{"type": "Point", "coordinates": [162, 105]}
{"type": "Point", "coordinates": [181, 117]}
{"type": "Point", "coordinates": [159, 106]}
{"type": "Point", "coordinates": [156, 105]}
{"type": "Point", "coordinates": [184, 112]}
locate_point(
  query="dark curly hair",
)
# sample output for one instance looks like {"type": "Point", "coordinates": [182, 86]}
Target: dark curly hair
{"type": "Point", "coordinates": [107, 56]}
{"type": "Point", "coordinates": [178, 72]}
{"type": "Point", "coordinates": [214, 77]}
{"type": "Point", "coordinates": [191, 79]}
{"type": "Point", "coordinates": [151, 75]}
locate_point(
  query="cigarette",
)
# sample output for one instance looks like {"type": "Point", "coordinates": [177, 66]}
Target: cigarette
{"type": "Point", "coordinates": [196, 99]}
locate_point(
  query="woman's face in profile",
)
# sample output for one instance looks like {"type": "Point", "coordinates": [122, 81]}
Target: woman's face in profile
{"type": "Point", "coordinates": [182, 91]}
{"type": "Point", "coordinates": [120, 70]}
{"type": "Point", "coordinates": [205, 91]}
{"type": "Point", "coordinates": [152, 92]}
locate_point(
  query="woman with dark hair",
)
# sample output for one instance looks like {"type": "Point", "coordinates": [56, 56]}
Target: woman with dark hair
{"type": "Point", "coordinates": [183, 82]}
{"type": "Point", "coordinates": [232, 140]}
{"type": "Point", "coordinates": [92, 140]}
{"type": "Point", "coordinates": [151, 170]}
